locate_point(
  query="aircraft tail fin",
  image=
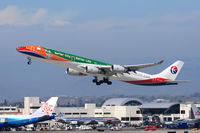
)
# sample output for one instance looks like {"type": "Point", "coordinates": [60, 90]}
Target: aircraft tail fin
{"type": "Point", "coordinates": [46, 109]}
{"type": "Point", "coordinates": [172, 71]}
{"type": "Point", "coordinates": [196, 112]}
{"type": "Point", "coordinates": [60, 115]}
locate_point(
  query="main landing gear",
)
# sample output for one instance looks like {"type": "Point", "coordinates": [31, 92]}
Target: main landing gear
{"type": "Point", "coordinates": [29, 60]}
{"type": "Point", "coordinates": [105, 80]}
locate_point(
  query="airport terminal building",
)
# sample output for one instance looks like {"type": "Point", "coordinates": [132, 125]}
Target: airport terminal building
{"type": "Point", "coordinates": [128, 110]}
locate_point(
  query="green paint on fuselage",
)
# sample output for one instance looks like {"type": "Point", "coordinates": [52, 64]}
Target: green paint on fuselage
{"type": "Point", "coordinates": [74, 58]}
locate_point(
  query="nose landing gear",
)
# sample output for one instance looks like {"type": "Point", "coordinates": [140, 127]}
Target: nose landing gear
{"type": "Point", "coordinates": [29, 61]}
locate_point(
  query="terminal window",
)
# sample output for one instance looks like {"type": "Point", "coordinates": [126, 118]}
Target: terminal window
{"type": "Point", "coordinates": [98, 113]}
{"type": "Point", "coordinates": [75, 113]}
{"type": "Point", "coordinates": [34, 107]}
{"type": "Point", "coordinates": [83, 113]}
{"type": "Point", "coordinates": [138, 112]}
{"type": "Point", "coordinates": [125, 119]}
{"type": "Point", "coordinates": [182, 111]}
{"type": "Point", "coordinates": [169, 119]}
{"type": "Point", "coordinates": [136, 118]}
{"type": "Point", "coordinates": [107, 113]}
{"type": "Point", "coordinates": [68, 113]}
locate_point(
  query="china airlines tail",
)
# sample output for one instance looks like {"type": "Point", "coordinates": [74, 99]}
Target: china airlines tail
{"type": "Point", "coordinates": [172, 72]}
{"type": "Point", "coordinates": [46, 109]}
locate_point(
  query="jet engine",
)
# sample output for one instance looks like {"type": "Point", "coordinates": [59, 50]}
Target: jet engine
{"type": "Point", "coordinates": [92, 70]}
{"type": "Point", "coordinates": [73, 72]}
{"type": "Point", "coordinates": [118, 69]}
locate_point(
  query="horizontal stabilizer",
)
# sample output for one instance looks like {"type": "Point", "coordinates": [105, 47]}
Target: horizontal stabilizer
{"type": "Point", "coordinates": [179, 81]}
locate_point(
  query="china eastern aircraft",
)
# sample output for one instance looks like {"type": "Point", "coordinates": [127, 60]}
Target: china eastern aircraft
{"type": "Point", "coordinates": [80, 66]}
{"type": "Point", "coordinates": [44, 113]}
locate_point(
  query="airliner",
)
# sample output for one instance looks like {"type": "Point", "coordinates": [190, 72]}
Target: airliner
{"type": "Point", "coordinates": [85, 120]}
{"type": "Point", "coordinates": [186, 123]}
{"type": "Point", "coordinates": [42, 114]}
{"type": "Point", "coordinates": [80, 66]}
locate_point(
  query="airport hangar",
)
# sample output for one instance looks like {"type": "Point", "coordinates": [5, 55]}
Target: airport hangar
{"type": "Point", "coordinates": [128, 110]}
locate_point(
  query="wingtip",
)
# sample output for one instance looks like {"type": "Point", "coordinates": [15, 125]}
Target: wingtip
{"type": "Point", "coordinates": [160, 62]}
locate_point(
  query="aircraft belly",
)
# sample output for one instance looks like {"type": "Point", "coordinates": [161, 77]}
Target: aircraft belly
{"type": "Point", "coordinates": [127, 77]}
{"type": "Point", "coordinates": [55, 62]}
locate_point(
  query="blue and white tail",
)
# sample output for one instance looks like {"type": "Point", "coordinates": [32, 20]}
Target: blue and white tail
{"type": "Point", "coordinates": [172, 71]}
{"type": "Point", "coordinates": [46, 109]}
{"type": "Point", "coordinates": [196, 112]}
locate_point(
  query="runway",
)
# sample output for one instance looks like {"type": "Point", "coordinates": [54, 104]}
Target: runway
{"type": "Point", "coordinates": [122, 131]}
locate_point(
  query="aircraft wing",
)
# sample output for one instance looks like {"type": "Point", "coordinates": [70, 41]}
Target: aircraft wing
{"type": "Point", "coordinates": [61, 121]}
{"type": "Point", "coordinates": [136, 67]}
{"type": "Point", "coordinates": [109, 70]}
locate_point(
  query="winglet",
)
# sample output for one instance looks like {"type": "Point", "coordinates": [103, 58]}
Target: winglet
{"type": "Point", "coordinates": [160, 62]}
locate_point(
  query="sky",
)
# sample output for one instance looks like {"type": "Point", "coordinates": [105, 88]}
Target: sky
{"type": "Point", "coordinates": [114, 31]}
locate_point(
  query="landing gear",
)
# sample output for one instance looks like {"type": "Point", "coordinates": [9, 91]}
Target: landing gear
{"type": "Point", "coordinates": [109, 83]}
{"type": "Point", "coordinates": [29, 61]}
{"type": "Point", "coordinates": [95, 80]}
{"type": "Point", "coordinates": [98, 83]}
{"type": "Point", "coordinates": [105, 80]}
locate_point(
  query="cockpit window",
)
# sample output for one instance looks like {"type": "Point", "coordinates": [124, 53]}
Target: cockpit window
{"type": "Point", "coordinates": [23, 46]}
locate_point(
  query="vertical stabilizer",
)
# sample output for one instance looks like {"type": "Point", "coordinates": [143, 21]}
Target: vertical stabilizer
{"type": "Point", "coordinates": [196, 112]}
{"type": "Point", "coordinates": [46, 109]}
{"type": "Point", "coordinates": [172, 71]}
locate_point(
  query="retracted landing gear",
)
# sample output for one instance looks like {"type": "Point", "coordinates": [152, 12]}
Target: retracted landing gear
{"type": "Point", "coordinates": [29, 61]}
{"type": "Point", "coordinates": [105, 80]}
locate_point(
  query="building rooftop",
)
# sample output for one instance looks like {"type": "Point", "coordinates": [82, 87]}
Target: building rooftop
{"type": "Point", "coordinates": [122, 102]}
{"type": "Point", "coordinates": [156, 105]}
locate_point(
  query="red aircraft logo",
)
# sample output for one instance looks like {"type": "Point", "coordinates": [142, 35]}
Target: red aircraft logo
{"type": "Point", "coordinates": [47, 108]}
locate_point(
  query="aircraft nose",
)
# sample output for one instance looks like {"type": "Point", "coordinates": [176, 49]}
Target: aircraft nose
{"type": "Point", "coordinates": [18, 48]}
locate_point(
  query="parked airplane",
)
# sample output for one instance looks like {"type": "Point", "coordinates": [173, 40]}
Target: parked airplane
{"type": "Point", "coordinates": [196, 114]}
{"type": "Point", "coordinates": [86, 120]}
{"type": "Point", "coordinates": [80, 66]}
{"type": "Point", "coordinates": [42, 114]}
{"type": "Point", "coordinates": [186, 123]}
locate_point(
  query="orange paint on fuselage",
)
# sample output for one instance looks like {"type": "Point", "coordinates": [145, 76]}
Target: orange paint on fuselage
{"type": "Point", "coordinates": [36, 49]}
{"type": "Point", "coordinates": [42, 52]}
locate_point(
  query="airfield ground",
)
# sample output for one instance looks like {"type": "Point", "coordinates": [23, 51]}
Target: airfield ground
{"type": "Point", "coordinates": [107, 131]}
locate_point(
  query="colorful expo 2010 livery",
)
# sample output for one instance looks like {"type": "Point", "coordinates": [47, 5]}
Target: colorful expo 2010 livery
{"type": "Point", "coordinates": [80, 66]}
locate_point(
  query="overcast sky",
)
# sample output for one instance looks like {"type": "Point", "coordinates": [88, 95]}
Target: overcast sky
{"type": "Point", "coordinates": [114, 31]}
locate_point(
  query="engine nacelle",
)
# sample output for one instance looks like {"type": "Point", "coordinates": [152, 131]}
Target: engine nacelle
{"type": "Point", "coordinates": [118, 69]}
{"type": "Point", "coordinates": [73, 72]}
{"type": "Point", "coordinates": [92, 70]}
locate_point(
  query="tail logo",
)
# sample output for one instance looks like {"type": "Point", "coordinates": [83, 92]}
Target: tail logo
{"type": "Point", "coordinates": [197, 113]}
{"type": "Point", "coordinates": [174, 69]}
{"type": "Point", "coordinates": [47, 108]}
